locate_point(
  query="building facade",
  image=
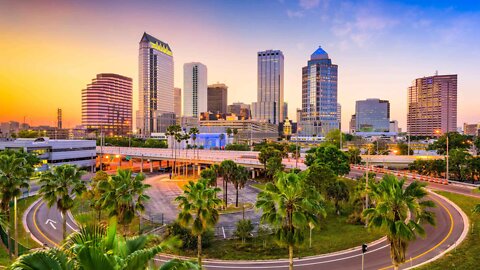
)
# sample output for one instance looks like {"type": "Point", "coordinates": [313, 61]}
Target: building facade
{"type": "Point", "coordinates": [432, 105]}
{"type": "Point", "coordinates": [177, 105]}
{"type": "Point", "coordinates": [217, 98]}
{"type": "Point", "coordinates": [270, 70]}
{"type": "Point", "coordinates": [107, 105]}
{"type": "Point", "coordinates": [194, 89]}
{"type": "Point", "coordinates": [249, 131]}
{"type": "Point", "coordinates": [471, 129]}
{"type": "Point", "coordinates": [353, 124]}
{"type": "Point", "coordinates": [241, 109]}
{"type": "Point", "coordinates": [372, 115]}
{"type": "Point", "coordinates": [155, 83]}
{"type": "Point", "coordinates": [319, 95]}
{"type": "Point", "coordinates": [394, 126]}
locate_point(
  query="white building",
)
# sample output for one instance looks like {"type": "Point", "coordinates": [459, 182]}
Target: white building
{"type": "Point", "coordinates": [57, 152]}
{"type": "Point", "coordinates": [394, 126]}
{"type": "Point", "coordinates": [269, 106]}
{"type": "Point", "coordinates": [155, 84]}
{"type": "Point", "coordinates": [194, 89]}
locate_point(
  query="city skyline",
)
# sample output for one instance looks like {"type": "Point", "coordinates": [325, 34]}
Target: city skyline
{"type": "Point", "coordinates": [368, 68]}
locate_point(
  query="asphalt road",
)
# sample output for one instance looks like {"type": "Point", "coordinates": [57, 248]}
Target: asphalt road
{"type": "Point", "coordinates": [448, 229]}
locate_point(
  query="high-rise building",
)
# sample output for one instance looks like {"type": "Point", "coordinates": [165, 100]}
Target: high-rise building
{"type": "Point", "coordinates": [269, 105]}
{"type": "Point", "coordinates": [339, 116]}
{"type": "Point", "coordinates": [194, 89]}
{"type": "Point", "coordinates": [319, 95]}
{"type": "Point", "coordinates": [471, 129]}
{"type": "Point", "coordinates": [372, 115]}
{"type": "Point", "coordinates": [432, 105]}
{"type": "Point", "coordinates": [285, 110]}
{"type": "Point", "coordinates": [353, 124]}
{"type": "Point", "coordinates": [299, 115]}
{"type": "Point", "coordinates": [217, 98]}
{"type": "Point", "coordinates": [107, 105]}
{"type": "Point", "coordinates": [59, 118]}
{"type": "Point", "coordinates": [155, 83]}
{"type": "Point", "coordinates": [177, 105]}
{"type": "Point", "coordinates": [240, 109]}
{"type": "Point", "coordinates": [394, 126]}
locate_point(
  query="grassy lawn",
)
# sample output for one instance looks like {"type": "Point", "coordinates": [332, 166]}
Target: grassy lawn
{"type": "Point", "coordinates": [334, 234]}
{"type": "Point", "coordinates": [23, 237]}
{"type": "Point", "coordinates": [464, 256]}
{"type": "Point", "coordinates": [4, 259]}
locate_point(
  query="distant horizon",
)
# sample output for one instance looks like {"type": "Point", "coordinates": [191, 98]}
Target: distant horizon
{"type": "Point", "coordinates": [52, 51]}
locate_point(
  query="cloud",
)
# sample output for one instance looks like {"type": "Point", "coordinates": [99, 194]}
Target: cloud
{"type": "Point", "coordinates": [294, 14]}
{"type": "Point", "coordinates": [309, 4]}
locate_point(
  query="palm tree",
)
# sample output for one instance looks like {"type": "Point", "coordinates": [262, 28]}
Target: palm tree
{"type": "Point", "coordinates": [96, 247]}
{"type": "Point", "coordinates": [59, 187]}
{"type": "Point", "coordinates": [290, 205]}
{"type": "Point", "coordinates": [198, 205]}
{"type": "Point", "coordinates": [221, 137]}
{"type": "Point", "coordinates": [393, 203]}
{"type": "Point", "coordinates": [235, 132]}
{"type": "Point", "coordinates": [239, 181]}
{"type": "Point", "coordinates": [194, 133]}
{"type": "Point", "coordinates": [94, 193]}
{"type": "Point", "coordinates": [228, 170]}
{"type": "Point", "coordinates": [124, 194]}
{"type": "Point", "coordinates": [174, 131]}
{"type": "Point", "coordinates": [14, 175]}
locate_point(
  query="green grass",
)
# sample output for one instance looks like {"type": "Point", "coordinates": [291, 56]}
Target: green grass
{"type": "Point", "coordinates": [23, 237]}
{"type": "Point", "coordinates": [4, 259]}
{"type": "Point", "coordinates": [465, 255]}
{"type": "Point", "coordinates": [259, 186]}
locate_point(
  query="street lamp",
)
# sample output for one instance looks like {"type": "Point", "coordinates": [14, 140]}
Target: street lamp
{"type": "Point", "coordinates": [437, 131]}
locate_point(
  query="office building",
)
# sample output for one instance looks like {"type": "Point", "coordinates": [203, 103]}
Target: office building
{"type": "Point", "coordinates": [155, 84]}
{"type": "Point", "coordinates": [353, 124]}
{"type": "Point", "coordinates": [432, 105]}
{"type": "Point", "coordinates": [107, 105]}
{"type": "Point", "coordinates": [241, 109]}
{"type": "Point", "coordinates": [217, 98]}
{"type": "Point", "coordinates": [471, 129]}
{"type": "Point", "coordinates": [372, 115]}
{"type": "Point", "coordinates": [56, 152]}
{"type": "Point", "coordinates": [177, 105]}
{"type": "Point", "coordinates": [285, 110]}
{"type": "Point", "coordinates": [194, 89]}
{"type": "Point", "coordinates": [339, 116]}
{"type": "Point", "coordinates": [319, 95]}
{"type": "Point", "coordinates": [269, 105]}
{"type": "Point", "coordinates": [249, 131]}
{"type": "Point", "coordinates": [59, 118]}
{"type": "Point", "coordinates": [394, 126]}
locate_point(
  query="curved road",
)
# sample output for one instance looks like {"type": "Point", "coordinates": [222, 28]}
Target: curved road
{"type": "Point", "coordinates": [45, 226]}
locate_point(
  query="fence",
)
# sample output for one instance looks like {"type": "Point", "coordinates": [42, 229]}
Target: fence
{"type": "Point", "coordinates": [21, 248]}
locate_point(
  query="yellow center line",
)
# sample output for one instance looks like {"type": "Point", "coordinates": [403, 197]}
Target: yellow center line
{"type": "Point", "coordinates": [439, 243]}
{"type": "Point", "coordinates": [36, 226]}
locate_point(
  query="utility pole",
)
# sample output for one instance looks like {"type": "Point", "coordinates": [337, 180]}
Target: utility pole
{"type": "Point", "coordinates": [366, 186]}
{"type": "Point", "coordinates": [408, 151]}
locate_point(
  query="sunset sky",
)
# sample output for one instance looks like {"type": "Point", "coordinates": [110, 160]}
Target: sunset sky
{"type": "Point", "coordinates": [50, 50]}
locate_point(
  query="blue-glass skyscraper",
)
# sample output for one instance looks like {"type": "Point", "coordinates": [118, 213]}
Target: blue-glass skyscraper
{"type": "Point", "coordinates": [319, 95]}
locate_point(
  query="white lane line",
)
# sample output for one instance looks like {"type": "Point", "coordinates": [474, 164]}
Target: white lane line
{"type": "Point", "coordinates": [51, 222]}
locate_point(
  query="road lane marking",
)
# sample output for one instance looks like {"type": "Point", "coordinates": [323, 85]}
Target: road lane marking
{"type": "Point", "coordinates": [36, 225]}
{"type": "Point", "coordinates": [51, 222]}
{"type": "Point", "coordinates": [439, 243]}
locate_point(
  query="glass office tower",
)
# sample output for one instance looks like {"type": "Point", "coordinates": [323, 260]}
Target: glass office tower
{"type": "Point", "coordinates": [155, 84]}
{"type": "Point", "coordinates": [372, 115]}
{"type": "Point", "coordinates": [319, 95]}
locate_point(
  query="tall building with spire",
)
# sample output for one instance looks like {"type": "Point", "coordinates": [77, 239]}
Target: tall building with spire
{"type": "Point", "coordinates": [319, 95]}
{"type": "Point", "coordinates": [269, 105]}
{"type": "Point", "coordinates": [155, 97]}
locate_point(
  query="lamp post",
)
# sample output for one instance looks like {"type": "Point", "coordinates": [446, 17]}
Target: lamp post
{"type": "Point", "coordinates": [296, 149]}
{"type": "Point", "coordinates": [366, 186]}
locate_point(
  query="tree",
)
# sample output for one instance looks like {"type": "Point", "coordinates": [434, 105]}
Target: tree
{"type": "Point", "coordinates": [59, 187]}
{"type": "Point", "coordinates": [476, 144]}
{"type": "Point", "coordinates": [96, 247]}
{"type": "Point", "coordinates": [290, 205]}
{"type": "Point", "coordinates": [392, 206]}
{"type": "Point", "coordinates": [244, 229]}
{"type": "Point", "coordinates": [239, 181]}
{"type": "Point", "coordinates": [228, 169]}
{"type": "Point", "coordinates": [235, 133]}
{"type": "Point", "coordinates": [458, 163]}
{"type": "Point", "coordinates": [201, 201]}
{"type": "Point", "coordinates": [333, 137]}
{"type": "Point", "coordinates": [266, 153]}
{"type": "Point", "coordinates": [338, 192]}
{"type": "Point", "coordinates": [237, 147]}
{"type": "Point", "coordinates": [221, 137]}
{"type": "Point", "coordinates": [94, 193]}
{"type": "Point", "coordinates": [229, 132]}
{"type": "Point", "coordinates": [354, 156]}
{"type": "Point", "coordinates": [173, 132]}
{"type": "Point", "coordinates": [123, 195]}
{"type": "Point", "coordinates": [28, 134]}
{"type": "Point", "coordinates": [194, 133]}
{"type": "Point", "coordinates": [274, 165]}
{"type": "Point", "coordinates": [210, 175]}
{"type": "Point", "coordinates": [320, 177]}
{"type": "Point", "coordinates": [403, 149]}
{"type": "Point", "coordinates": [474, 165]}
{"type": "Point", "coordinates": [331, 156]}
{"type": "Point", "coordinates": [455, 141]}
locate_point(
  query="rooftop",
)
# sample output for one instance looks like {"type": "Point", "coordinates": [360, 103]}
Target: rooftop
{"type": "Point", "coordinates": [149, 38]}
{"type": "Point", "coordinates": [319, 54]}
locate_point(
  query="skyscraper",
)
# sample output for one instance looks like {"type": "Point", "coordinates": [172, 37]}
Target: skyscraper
{"type": "Point", "coordinates": [240, 109]}
{"type": "Point", "coordinates": [194, 89]}
{"type": "Point", "coordinates": [217, 98]}
{"type": "Point", "coordinates": [319, 95]}
{"type": "Point", "coordinates": [107, 105]}
{"type": "Point", "coordinates": [372, 115]}
{"type": "Point", "coordinates": [59, 118]}
{"type": "Point", "coordinates": [432, 105]}
{"type": "Point", "coordinates": [339, 116]}
{"type": "Point", "coordinates": [285, 110]}
{"type": "Point", "coordinates": [177, 97]}
{"type": "Point", "coordinates": [269, 105]}
{"type": "Point", "coordinates": [155, 83]}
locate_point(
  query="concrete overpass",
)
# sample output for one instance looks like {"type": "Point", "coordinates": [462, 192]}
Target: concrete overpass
{"type": "Point", "coordinates": [394, 161]}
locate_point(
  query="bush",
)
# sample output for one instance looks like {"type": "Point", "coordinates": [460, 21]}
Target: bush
{"type": "Point", "coordinates": [189, 241]}
{"type": "Point", "coordinates": [244, 229]}
{"type": "Point", "coordinates": [237, 147]}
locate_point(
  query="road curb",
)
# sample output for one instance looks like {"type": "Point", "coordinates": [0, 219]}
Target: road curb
{"type": "Point", "coordinates": [24, 221]}
{"type": "Point", "coordinates": [466, 228]}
